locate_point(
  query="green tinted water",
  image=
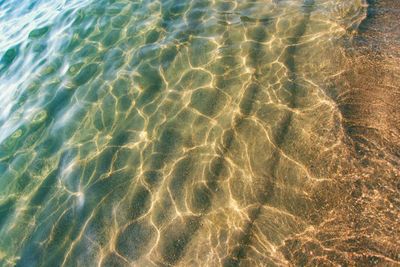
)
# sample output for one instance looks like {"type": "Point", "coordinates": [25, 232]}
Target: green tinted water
{"type": "Point", "coordinates": [158, 133]}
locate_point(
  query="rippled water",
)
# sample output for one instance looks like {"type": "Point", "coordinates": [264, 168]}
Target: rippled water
{"type": "Point", "coordinates": [198, 133]}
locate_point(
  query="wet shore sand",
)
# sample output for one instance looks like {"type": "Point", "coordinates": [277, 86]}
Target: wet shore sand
{"type": "Point", "coordinates": [362, 225]}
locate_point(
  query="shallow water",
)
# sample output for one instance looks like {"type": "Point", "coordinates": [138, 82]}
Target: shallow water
{"type": "Point", "coordinates": [199, 133]}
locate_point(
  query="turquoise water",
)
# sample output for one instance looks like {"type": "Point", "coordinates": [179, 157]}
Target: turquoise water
{"type": "Point", "coordinates": [174, 133]}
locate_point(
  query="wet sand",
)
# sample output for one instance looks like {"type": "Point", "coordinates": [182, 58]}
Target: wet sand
{"type": "Point", "coordinates": [362, 227]}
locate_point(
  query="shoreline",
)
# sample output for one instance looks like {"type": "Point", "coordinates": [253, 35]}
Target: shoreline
{"type": "Point", "coordinates": [361, 225]}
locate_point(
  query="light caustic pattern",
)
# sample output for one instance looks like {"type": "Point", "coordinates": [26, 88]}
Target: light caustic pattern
{"type": "Point", "coordinates": [184, 133]}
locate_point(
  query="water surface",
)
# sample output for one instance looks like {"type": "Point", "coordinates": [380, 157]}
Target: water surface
{"type": "Point", "coordinates": [199, 133]}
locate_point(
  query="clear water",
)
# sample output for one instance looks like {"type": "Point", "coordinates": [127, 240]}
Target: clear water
{"type": "Point", "coordinates": [191, 133]}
